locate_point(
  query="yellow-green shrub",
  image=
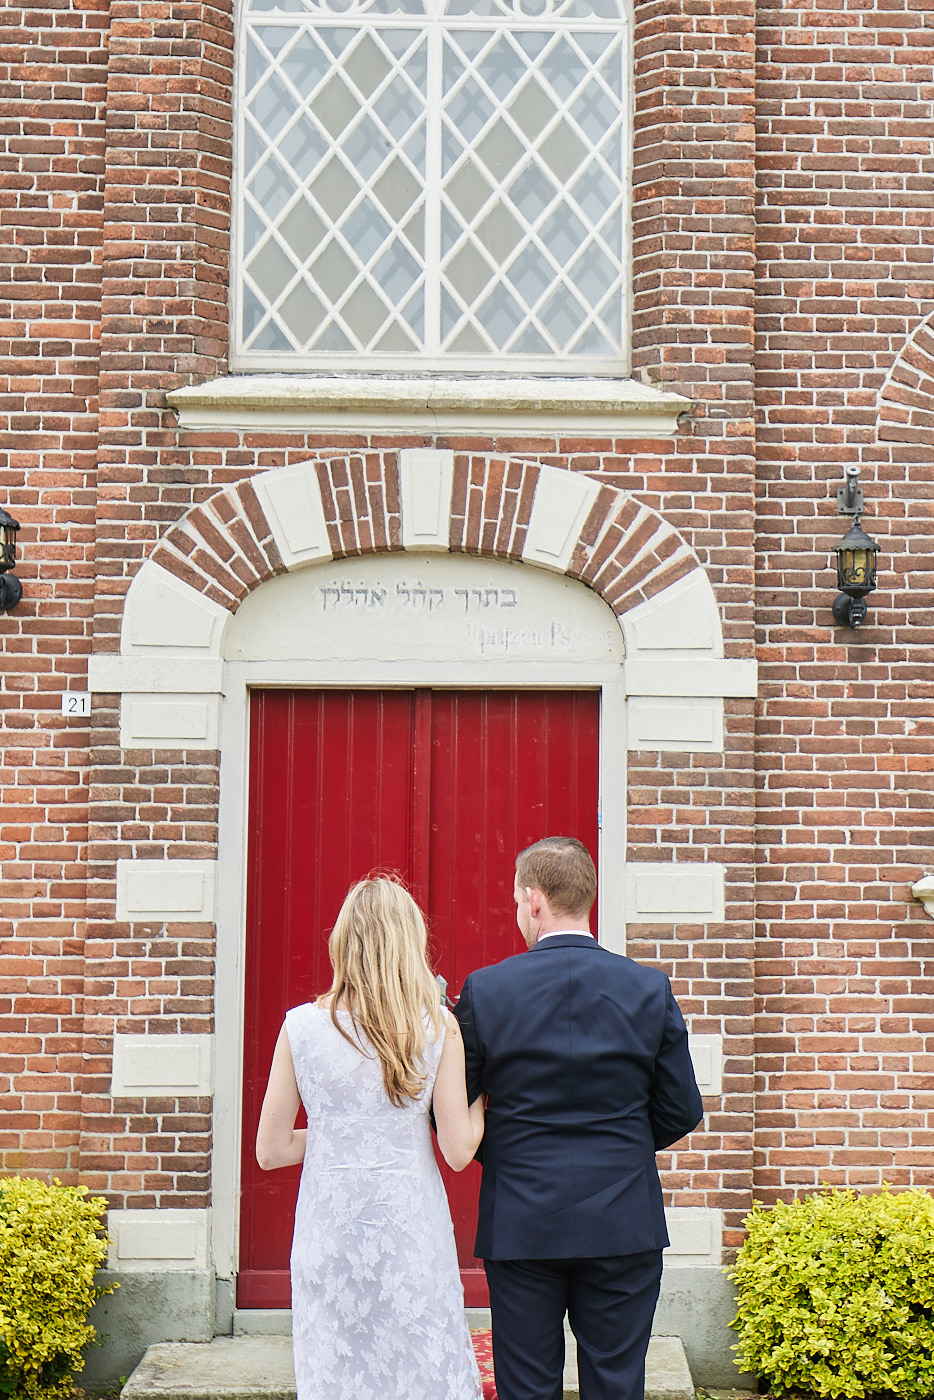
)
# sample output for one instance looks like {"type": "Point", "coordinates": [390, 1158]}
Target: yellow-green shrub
{"type": "Point", "coordinates": [835, 1295]}
{"type": "Point", "coordinates": [51, 1245]}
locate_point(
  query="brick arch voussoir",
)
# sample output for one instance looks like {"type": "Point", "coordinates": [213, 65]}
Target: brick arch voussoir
{"type": "Point", "coordinates": [491, 504]}
{"type": "Point", "coordinates": [223, 548]}
{"type": "Point", "coordinates": [626, 552]}
{"type": "Point", "coordinates": [906, 399]}
{"type": "Point", "coordinates": [361, 503]}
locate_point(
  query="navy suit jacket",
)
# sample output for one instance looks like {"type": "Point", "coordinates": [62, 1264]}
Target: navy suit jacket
{"type": "Point", "coordinates": [583, 1056]}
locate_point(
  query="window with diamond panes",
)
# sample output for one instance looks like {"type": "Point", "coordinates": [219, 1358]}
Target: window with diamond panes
{"type": "Point", "coordinates": [432, 183]}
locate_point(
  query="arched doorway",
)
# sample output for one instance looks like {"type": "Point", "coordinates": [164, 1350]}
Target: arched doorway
{"type": "Point", "coordinates": [190, 657]}
{"type": "Point", "coordinates": [394, 719]}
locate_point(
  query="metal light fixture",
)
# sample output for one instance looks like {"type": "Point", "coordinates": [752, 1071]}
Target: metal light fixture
{"type": "Point", "coordinates": [11, 590]}
{"type": "Point", "coordinates": [856, 556]}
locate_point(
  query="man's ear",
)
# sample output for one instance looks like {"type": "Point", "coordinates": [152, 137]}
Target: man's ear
{"type": "Point", "coordinates": [536, 903]}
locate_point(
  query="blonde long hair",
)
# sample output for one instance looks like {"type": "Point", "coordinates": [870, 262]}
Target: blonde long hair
{"type": "Point", "coordinates": [378, 950]}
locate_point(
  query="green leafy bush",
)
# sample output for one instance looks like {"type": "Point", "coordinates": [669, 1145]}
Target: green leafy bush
{"type": "Point", "coordinates": [51, 1245]}
{"type": "Point", "coordinates": [835, 1295]}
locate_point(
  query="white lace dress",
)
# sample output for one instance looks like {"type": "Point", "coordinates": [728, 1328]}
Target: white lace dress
{"type": "Point", "coordinates": [377, 1303]}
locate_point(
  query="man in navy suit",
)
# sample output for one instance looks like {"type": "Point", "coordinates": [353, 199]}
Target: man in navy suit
{"type": "Point", "coordinates": [583, 1057]}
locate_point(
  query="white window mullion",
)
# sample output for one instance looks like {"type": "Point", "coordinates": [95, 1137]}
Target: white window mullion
{"type": "Point", "coordinates": [434, 106]}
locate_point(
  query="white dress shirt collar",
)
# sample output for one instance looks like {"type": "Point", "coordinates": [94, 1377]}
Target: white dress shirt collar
{"type": "Point", "coordinates": [564, 933]}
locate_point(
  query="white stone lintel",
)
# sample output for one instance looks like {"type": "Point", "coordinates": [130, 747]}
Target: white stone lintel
{"type": "Point", "coordinates": [618, 407]}
{"type": "Point", "coordinates": [690, 676]}
{"type": "Point", "coordinates": [674, 892]}
{"type": "Point", "coordinates": [696, 1234]}
{"type": "Point", "coordinates": [180, 891]}
{"type": "Point", "coordinates": [174, 1066]}
{"type": "Point", "coordinates": [109, 673]}
{"type": "Point", "coordinates": [158, 1241]}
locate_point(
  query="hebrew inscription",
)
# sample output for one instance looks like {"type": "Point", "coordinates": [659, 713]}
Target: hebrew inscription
{"type": "Point", "coordinates": [487, 602]}
{"type": "Point", "coordinates": [399, 608]}
{"type": "Point", "coordinates": [416, 596]}
{"type": "Point", "coordinates": [487, 615]}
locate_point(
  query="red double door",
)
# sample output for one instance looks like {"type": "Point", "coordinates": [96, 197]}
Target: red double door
{"type": "Point", "coordinates": [442, 786]}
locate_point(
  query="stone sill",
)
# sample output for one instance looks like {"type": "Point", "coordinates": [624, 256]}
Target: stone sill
{"type": "Point", "coordinates": [349, 403]}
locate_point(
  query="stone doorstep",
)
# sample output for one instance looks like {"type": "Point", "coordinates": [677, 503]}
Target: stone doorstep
{"type": "Point", "coordinates": [259, 1367]}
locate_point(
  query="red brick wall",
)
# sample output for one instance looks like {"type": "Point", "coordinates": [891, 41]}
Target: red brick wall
{"type": "Point", "coordinates": [115, 240]}
{"type": "Point", "coordinates": [52, 89]}
{"type": "Point", "coordinates": [844, 753]}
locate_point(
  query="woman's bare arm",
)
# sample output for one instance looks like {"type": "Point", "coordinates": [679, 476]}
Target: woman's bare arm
{"type": "Point", "coordinates": [459, 1126]}
{"type": "Point", "coordinates": [278, 1142]}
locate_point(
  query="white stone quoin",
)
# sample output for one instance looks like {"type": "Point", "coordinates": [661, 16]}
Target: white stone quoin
{"type": "Point", "coordinates": [181, 890]}
{"type": "Point", "coordinates": [149, 720]}
{"type": "Point", "coordinates": [682, 618]}
{"type": "Point", "coordinates": [689, 724]}
{"type": "Point", "coordinates": [676, 676]}
{"type": "Point", "coordinates": [163, 614]}
{"type": "Point", "coordinates": [177, 1066]}
{"type": "Point", "coordinates": [669, 892]}
{"type": "Point", "coordinates": [158, 1241]}
{"type": "Point", "coordinates": [170, 644]}
{"type": "Point", "coordinates": [696, 1234]}
{"type": "Point", "coordinates": [691, 676]}
{"type": "Point", "coordinates": [707, 1058]}
{"type": "Point", "coordinates": [170, 673]}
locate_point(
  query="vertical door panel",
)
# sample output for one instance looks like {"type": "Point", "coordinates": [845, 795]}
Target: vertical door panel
{"type": "Point", "coordinates": [330, 800]}
{"type": "Point", "coordinates": [444, 787]}
{"type": "Point", "coordinates": [508, 767]}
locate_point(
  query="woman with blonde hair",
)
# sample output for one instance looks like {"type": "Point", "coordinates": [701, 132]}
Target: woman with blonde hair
{"type": "Point", "coordinates": [377, 1303]}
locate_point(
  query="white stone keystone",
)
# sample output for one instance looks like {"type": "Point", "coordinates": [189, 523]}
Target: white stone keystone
{"type": "Point", "coordinates": [426, 479]}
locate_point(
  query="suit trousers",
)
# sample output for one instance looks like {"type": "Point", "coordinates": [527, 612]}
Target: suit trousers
{"type": "Point", "coordinates": [609, 1303]}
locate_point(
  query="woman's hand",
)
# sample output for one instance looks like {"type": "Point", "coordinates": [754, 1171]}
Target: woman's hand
{"type": "Point", "coordinates": [458, 1126]}
{"type": "Point", "coordinates": [278, 1142]}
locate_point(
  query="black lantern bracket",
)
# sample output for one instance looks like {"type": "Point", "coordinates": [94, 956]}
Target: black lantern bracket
{"type": "Point", "coordinates": [856, 556]}
{"type": "Point", "coordinates": [11, 590]}
{"type": "Point", "coordinates": [850, 494]}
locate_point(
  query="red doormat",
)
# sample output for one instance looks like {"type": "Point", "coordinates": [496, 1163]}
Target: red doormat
{"type": "Point", "coordinates": [482, 1340]}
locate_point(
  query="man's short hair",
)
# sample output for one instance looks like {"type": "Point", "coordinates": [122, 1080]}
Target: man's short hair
{"type": "Point", "coordinates": [561, 867]}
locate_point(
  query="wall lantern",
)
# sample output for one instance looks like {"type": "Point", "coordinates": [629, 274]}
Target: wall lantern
{"type": "Point", "coordinates": [11, 590]}
{"type": "Point", "coordinates": [856, 556]}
